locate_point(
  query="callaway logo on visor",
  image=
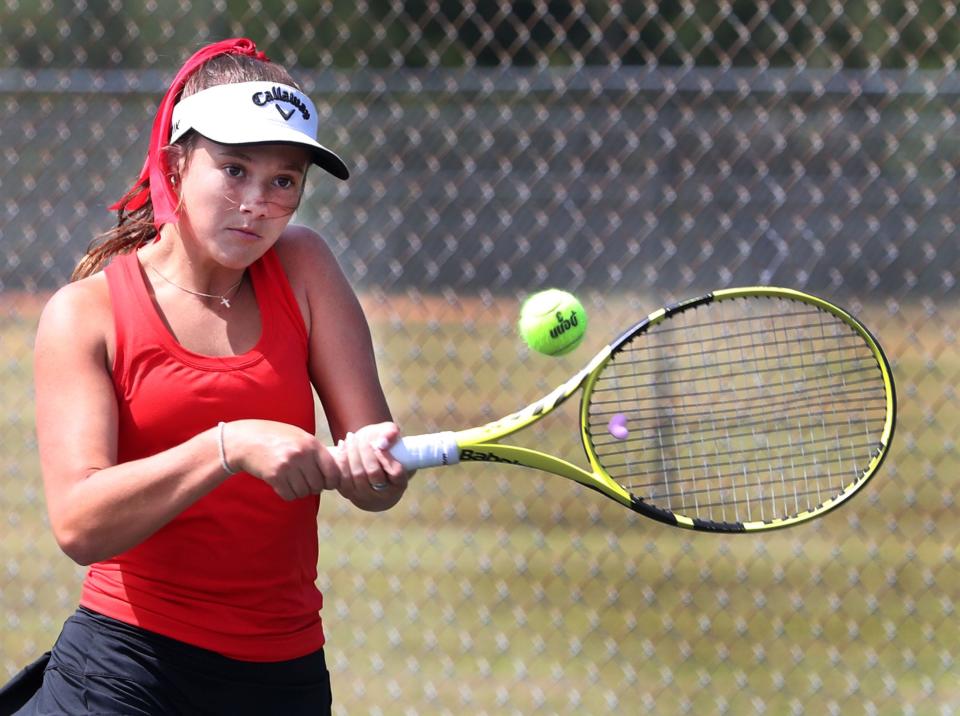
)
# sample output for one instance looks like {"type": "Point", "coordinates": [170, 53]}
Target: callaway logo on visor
{"type": "Point", "coordinates": [278, 94]}
{"type": "Point", "coordinates": [240, 113]}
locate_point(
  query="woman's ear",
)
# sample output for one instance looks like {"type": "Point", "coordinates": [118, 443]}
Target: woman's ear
{"type": "Point", "coordinates": [173, 160]}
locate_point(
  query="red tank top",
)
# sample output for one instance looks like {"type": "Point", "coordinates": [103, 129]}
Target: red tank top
{"type": "Point", "coordinates": [236, 572]}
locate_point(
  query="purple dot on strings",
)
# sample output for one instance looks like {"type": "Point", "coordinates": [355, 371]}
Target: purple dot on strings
{"type": "Point", "coordinates": [618, 426]}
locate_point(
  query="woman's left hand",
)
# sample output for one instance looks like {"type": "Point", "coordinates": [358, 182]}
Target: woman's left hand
{"type": "Point", "coordinates": [371, 478]}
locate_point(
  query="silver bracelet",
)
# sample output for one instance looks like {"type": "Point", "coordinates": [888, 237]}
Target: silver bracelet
{"type": "Point", "coordinates": [223, 453]}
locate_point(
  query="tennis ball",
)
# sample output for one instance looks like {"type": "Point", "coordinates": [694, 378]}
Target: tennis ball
{"type": "Point", "coordinates": [552, 322]}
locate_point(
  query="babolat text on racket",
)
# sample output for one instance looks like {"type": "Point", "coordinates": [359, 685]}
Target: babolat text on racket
{"type": "Point", "coordinates": [742, 410]}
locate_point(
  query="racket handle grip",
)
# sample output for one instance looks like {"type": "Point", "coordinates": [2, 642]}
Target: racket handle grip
{"type": "Point", "coordinates": [431, 450]}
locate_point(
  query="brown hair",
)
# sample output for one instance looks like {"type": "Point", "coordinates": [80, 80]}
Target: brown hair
{"type": "Point", "coordinates": [136, 228]}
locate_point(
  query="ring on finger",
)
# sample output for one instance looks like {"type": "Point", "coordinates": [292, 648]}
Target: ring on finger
{"type": "Point", "coordinates": [379, 486]}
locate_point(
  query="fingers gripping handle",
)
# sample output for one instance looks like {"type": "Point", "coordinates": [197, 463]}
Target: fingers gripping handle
{"type": "Point", "coordinates": [431, 450]}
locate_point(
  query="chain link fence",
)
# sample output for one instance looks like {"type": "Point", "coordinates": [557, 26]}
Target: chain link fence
{"type": "Point", "coordinates": [636, 153]}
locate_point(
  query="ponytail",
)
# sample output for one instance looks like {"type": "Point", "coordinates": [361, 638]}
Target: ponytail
{"type": "Point", "coordinates": [133, 230]}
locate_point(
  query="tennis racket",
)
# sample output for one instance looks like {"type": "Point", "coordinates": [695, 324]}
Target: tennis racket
{"type": "Point", "coordinates": [742, 410]}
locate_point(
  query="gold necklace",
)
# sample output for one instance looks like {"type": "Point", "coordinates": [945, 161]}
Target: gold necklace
{"type": "Point", "coordinates": [223, 298]}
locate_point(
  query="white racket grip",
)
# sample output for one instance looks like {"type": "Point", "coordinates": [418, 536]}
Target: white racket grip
{"type": "Point", "coordinates": [431, 450]}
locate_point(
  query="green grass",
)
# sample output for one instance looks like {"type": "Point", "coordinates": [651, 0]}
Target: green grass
{"type": "Point", "coordinates": [507, 591]}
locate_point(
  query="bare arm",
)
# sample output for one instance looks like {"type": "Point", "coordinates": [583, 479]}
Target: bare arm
{"type": "Point", "coordinates": [98, 508]}
{"type": "Point", "coordinates": [344, 372]}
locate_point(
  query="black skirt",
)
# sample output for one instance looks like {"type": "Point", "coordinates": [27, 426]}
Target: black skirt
{"type": "Point", "coordinates": [102, 666]}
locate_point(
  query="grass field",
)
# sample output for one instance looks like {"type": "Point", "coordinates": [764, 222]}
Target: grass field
{"type": "Point", "coordinates": [499, 591]}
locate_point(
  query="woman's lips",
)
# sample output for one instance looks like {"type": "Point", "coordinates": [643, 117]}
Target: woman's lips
{"type": "Point", "coordinates": [247, 233]}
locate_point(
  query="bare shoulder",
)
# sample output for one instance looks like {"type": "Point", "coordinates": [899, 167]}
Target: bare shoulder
{"type": "Point", "coordinates": [315, 276]}
{"type": "Point", "coordinates": [312, 269]}
{"type": "Point", "coordinates": [80, 312]}
{"type": "Point", "coordinates": [303, 253]}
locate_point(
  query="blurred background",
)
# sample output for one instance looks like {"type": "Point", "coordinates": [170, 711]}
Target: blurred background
{"type": "Point", "coordinates": [635, 153]}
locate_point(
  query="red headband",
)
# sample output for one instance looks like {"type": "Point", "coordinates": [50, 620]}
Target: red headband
{"type": "Point", "coordinates": [153, 183]}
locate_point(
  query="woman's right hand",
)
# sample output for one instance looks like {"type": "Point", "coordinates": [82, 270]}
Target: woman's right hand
{"type": "Point", "coordinates": [292, 461]}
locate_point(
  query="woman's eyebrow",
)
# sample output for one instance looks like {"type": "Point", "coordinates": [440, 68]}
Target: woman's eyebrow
{"type": "Point", "coordinates": [232, 153]}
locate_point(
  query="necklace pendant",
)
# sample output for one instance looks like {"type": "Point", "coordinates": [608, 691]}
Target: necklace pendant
{"type": "Point", "coordinates": [225, 301]}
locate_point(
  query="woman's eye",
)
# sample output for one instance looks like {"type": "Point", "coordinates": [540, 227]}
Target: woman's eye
{"type": "Point", "coordinates": [233, 171]}
{"type": "Point", "coordinates": [286, 183]}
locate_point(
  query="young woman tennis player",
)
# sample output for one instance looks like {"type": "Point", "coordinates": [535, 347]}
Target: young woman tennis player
{"type": "Point", "coordinates": [175, 415]}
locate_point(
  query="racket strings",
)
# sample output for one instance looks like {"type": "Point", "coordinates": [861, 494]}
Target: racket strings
{"type": "Point", "coordinates": [739, 410]}
{"type": "Point", "coordinates": [752, 332]}
{"type": "Point", "coordinates": [678, 487]}
{"type": "Point", "coordinates": [726, 413]}
{"type": "Point", "coordinates": [844, 366]}
{"type": "Point", "coordinates": [760, 453]}
{"type": "Point", "coordinates": [806, 399]}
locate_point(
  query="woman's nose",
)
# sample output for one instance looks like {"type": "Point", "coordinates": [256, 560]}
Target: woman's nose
{"type": "Point", "coordinates": [253, 199]}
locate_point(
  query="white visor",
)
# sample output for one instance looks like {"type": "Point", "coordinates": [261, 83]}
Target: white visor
{"type": "Point", "coordinates": [254, 113]}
